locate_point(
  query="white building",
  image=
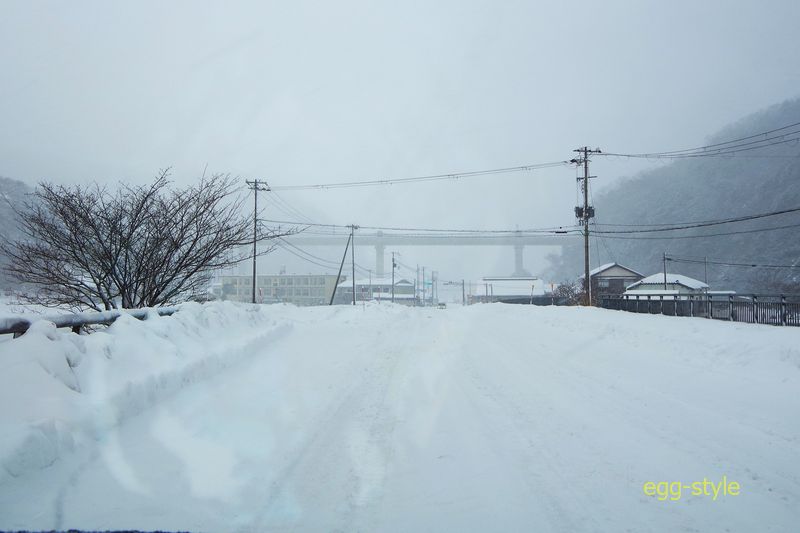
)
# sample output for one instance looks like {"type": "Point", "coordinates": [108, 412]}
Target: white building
{"type": "Point", "coordinates": [297, 289]}
{"type": "Point", "coordinates": [379, 289]}
{"type": "Point", "coordinates": [506, 289]}
{"type": "Point", "coordinates": [676, 285]}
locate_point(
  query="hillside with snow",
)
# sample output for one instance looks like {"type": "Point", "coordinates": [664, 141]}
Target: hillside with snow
{"type": "Point", "coordinates": [703, 189]}
{"type": "Point", "coordinates": [231, 417]}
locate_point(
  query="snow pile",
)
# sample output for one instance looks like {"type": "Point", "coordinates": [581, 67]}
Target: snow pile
{"type": "Point", "coordinates": [58, 389]}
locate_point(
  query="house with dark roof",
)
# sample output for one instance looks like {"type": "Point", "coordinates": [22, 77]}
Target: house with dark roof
{"type": "Point", "coordinates": [611, 279]}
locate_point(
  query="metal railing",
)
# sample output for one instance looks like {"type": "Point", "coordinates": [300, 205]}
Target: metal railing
{"type": "Point", "coordinates": [76, 321]}
{"type": "Point", "coordinates": [778, 310]}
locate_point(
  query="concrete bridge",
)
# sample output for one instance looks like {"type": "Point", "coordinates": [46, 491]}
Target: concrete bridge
{"type": "Point", "coordinates": [380, 241]}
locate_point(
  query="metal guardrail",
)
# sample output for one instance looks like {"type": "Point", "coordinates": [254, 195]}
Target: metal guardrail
{"type": "Point", "coordinates": [778, 310]}
{"type": "Point", "coordinates": [19, 325]}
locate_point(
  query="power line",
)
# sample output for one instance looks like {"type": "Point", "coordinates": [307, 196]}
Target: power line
{"type": "Point", "coordinates": [706, 224]}
{"type": "Point", "coordinates": [734, 146]}
{"type": "Point", "coordinates": [741, 232]}
{"type": "Point", "coordinates": [727, 263]}
{"type": "Point", "coordinates": [504, 232]}
{"type": "Point", "coordinates": [299, 251]}
{"type": "Point", "coordinates": [417, 179]}
{"type": "Point", "coordinates": [715, 153]}
{"type": "Point", "coordinates": [440, 233]}
{"type": "Point", "coordinates": [294, 212]}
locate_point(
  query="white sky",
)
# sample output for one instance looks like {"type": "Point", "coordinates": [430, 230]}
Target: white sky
{"type": "Point", "coordinates": [308, 92]}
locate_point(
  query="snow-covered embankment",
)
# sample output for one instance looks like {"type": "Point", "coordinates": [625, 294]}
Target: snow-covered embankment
{"type": "Point", "coordinates": [58, 389]}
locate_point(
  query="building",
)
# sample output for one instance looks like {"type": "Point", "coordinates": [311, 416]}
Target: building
{"type": "Point", "coordinates": [676, 285]}
{"type": "Point", "coordinates": [611, 279]}
{"type": "Point", "coordinates": [297, 289]}
{"type": "Point", "coordinates": [376, 289]}
{"type": "Point", "coordinates": [522, 289]}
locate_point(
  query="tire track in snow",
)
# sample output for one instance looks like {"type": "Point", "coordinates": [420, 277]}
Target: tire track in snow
{"type": "Point", "coordinates": [346, 456]}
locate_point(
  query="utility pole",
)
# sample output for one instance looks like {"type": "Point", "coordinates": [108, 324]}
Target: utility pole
{"type": "Point", "coordinates": [665, 273]}
{"type": "Point", "coordinates": [256, 186]}
{"type": "Point", "coordinates": [341, 265]}
{"type": "Point", "coordinates": [584, 214]}
{"type": "Point", "coordinates": [394, 265]}
{"type": "Point", "coordinates": [369, 297]}
{"type": "Point", "coordinates": [463, 294]}
{"type": "Point", "coordinates": [416, 287]}
{"type": "Point", "coordinates": [705, 268]}
{"type": "Point", "coordinates": [353, 228]}
{"type": "Point", "coordinates": [423, 286]}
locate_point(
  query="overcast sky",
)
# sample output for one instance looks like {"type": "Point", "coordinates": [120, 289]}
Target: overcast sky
{"type": "Point", "coordinates": [314, 92]}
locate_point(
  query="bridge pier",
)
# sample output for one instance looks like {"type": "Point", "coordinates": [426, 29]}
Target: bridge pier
{"type": "Point", "coordinates": [379, 251]}
{"type": "Point", "coordinates": [519, 269]}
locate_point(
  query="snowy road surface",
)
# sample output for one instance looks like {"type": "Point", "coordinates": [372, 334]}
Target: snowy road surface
{"type": "Point", "coordinates": [488, 418]}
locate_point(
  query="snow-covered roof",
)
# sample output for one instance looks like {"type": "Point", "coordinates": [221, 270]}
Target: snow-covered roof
{"type": "Point", "coordinates": [388, 296]}
{"type": "Point", "coordinates": [603, 268]}
{"type": "Point", "coordinates": [651, 292]}
{"type": "Point", "coordinates": [677, 279]}
{"type": "Point", "coordinates": [366, 282]}
{"type": "Point", "coordinates": [512, 278]}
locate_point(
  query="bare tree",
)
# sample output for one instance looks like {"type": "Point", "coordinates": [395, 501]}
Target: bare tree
{"type": "Point", "coordinates": [570, 291]}
{"type": "Point", "coordinates": [139, 246]}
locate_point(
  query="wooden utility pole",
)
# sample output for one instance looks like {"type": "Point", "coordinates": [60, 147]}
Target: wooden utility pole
{"type": "Point", "coordinates": [341, 265]}
{"type": "Point", "coordinates": [256, 186]}
{"type": "Point", "coordinates": [353, 258]}
{"type": "Point", "coordinates": [585, 213]}
{"type": "Point", "coordinates": [423, 286]}
{"type": "Point", "coordinates": [665, 273]}
{"type": "Point", "coordinates": [394, 265]}
{"type": "Point", "coordinates": [416, 287]}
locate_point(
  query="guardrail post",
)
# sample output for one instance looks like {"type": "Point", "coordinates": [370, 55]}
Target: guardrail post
{"type": "Point", "coordinates": [755, 309]}
{"type": "Point", "coordinates": [730, 307]}
{"type": "Point", "coordinates": [691, 306]}
{"type": "Point", "coordinates": [783, 310]}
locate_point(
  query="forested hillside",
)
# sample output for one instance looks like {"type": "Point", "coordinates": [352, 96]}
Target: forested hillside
{"type": "Point", "coordinates": [709, 188]}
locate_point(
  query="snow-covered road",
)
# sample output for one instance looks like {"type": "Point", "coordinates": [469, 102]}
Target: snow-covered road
{"type": "Point", "coordinates": [488, 418]}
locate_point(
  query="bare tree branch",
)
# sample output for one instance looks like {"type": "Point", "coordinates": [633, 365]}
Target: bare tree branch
{"type": "Point", "coordinates": [89, 248]}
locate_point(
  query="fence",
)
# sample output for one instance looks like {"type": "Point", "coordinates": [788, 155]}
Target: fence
{"type": "Point", "coordinates": [781, 310]}
{"type": "Point", "coordinates": [19, 325]}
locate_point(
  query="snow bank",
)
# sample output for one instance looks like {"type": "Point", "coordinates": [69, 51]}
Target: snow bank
{"type": "Point", "coordinates": [58, 389]}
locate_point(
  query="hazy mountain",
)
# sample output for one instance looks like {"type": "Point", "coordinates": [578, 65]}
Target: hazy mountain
{"type": "Point", "coordinates": [709, 188]}
{"type": "Point", "coordinates": [12, 195]}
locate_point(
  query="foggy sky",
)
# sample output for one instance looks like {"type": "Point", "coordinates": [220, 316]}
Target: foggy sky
{"type": "Point", "coordinates": [314, 92]}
